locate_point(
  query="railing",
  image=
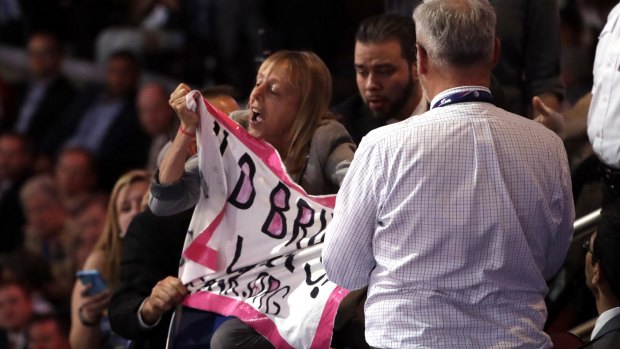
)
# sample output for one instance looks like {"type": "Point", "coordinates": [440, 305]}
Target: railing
{"type": "Point", "coordinates": [585, 225]}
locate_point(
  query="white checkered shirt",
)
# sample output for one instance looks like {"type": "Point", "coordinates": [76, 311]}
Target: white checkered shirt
{"type": "Point", "coordinates": [455, 219]}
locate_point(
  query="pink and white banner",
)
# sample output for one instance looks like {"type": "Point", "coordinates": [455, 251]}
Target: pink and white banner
{"type": "Point", "coordinates": [254, 246]}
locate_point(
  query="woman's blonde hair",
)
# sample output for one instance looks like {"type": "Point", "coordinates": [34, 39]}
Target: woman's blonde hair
{"type": "Point", "coordinates": [309, 75]}
{"type": "Point", "coordinates": [110, 242]}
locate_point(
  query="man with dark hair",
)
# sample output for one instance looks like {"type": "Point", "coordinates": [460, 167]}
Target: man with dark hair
{"type": "Point", "coordinates": [386, 75]}
{"type": "Point", "coordinates": [76, 176]}
{"type": "Point", "coordinates": [16, 160]}
{"type": "Point", "coordinates": [103, 120]}
{"type": "Point", "coordinates": [48, 332]}
{"type": "Point", "coordinates": [603, 279]}
{"type": "Point", "coordinates": [42, 100]}
{"type": "Point", "coordinates": [15, 312]}
{"type": "Point", "coordinates": [454, 219]}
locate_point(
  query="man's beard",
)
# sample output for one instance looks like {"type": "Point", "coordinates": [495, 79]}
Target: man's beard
{"type": "Point", "coordinates": [398, 104]}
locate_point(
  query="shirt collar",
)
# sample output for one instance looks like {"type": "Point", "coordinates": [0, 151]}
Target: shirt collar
{"type": "Point", "coordinates": [450, 91]}
{"type": "Point", "coordinates": [603, 319]}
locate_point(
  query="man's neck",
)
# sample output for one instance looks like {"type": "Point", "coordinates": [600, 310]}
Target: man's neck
{"type": "Point", "coordinates": [605, 302]}
{"type": "Point", "coordinates": [439, 80]}
{"type": "Point", "coordinates": [408, 109]}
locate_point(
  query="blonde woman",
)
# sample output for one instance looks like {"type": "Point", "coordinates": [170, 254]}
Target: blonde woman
{"type": "Point", "coordinates": [89, 326]}
{"type": "Point", "coordinates": [288, 108]}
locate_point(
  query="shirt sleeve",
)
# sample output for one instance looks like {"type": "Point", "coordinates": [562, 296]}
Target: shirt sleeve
{"type": "Point", "coordinates": [347, 252]}
{"type": "Point", "coordinates": [564, 215]}
{"type": "Point", "coordinates": [335, 150]}
{"type": "Point", "coordinates": [141, 322]}
{"type": "Point", "coordinates": [169, 199]}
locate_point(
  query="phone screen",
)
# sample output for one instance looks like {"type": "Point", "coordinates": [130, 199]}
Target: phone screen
{"type": "Point", "coordinates": [94, 278]}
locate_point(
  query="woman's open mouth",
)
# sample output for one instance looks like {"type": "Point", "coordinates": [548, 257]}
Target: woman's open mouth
{"type": "Point", "coordinates": [256, 116]}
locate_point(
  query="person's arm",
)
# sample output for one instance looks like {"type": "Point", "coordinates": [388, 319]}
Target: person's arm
{"type": "Point", "coordinates": [563, 212]}
{"type": "Point", "coordinates": [86, 311]}
{"type": "Point", "coordinates": [172, 166]}
{"type": "Point", "coordinates": [573, 124]}
{"type": "Point", "coordinates": [176, 184]}
{"type": "Point", "coordinates": [347, 252]}
{"type": "Point", "coordinates": [151, 250]}
{"type": "Point", "coordinates": [337, 150]}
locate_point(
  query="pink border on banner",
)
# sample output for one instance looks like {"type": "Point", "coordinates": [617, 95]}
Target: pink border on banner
{"type": "Point", "coordinates": [228, 306]}
{"type": "Point", "coordinates": [266, 153]}
{"type": "Point", "coordinates": [198, 251]}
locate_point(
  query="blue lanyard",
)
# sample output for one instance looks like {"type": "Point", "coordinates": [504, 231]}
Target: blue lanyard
{"type": "Point", "coordinates": [465, 96]}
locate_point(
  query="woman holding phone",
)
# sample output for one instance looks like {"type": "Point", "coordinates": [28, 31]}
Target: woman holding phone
{"type": "Point", "coordinates": [89, 326]}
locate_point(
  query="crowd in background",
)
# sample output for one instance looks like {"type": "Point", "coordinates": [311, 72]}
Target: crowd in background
{"type": "Point", "coordinates": [67, 145]}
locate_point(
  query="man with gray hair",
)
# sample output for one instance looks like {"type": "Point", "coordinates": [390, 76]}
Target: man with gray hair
{"type": "Point", "coordinates": [454, 219]}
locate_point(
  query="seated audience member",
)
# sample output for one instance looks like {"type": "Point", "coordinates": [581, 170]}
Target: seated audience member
{"type": "Point", "coordinates": [15, 312]}
{"type": "Point", "coordinates": [76, 176]}
{"type": "Point", "coordinates": [155, 117]}
{"type": "Point", "coordinates": [31, 271]}
{"type": "Point", "coordinates": [90, 328]}
{"type": "Point", "coordinates": [454, 220]}
{"type": "Point", "coordinates": [288, 109]}
{"type": "Point", "coordinates": [103, 120]}
{"type": "Point", "coordinates": [150, 263]}
{"type": "Point", "coordinates": [48, 233]}
{"type": "Point", "coordinates": [48, 332]}
{"type": "Point", "coordinates": [88, 224]}
{"type": "Point", "coordinates": [43, 99]}
{"type": "Point", "coordinates": [16, 157]}
{"type": "Point", "coordinates": [603, 279]}
{"type": "Point", "coordinates": [386, 75]}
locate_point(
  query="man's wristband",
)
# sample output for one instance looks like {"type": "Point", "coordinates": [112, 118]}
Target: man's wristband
{"type": "Point", "coordinates": [185, 132]}
{"type": "Point", "coordinates": [86, 322]}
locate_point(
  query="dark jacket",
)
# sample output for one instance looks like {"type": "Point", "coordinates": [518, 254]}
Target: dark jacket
{"type": "Point", "coordinates": [151, 252]}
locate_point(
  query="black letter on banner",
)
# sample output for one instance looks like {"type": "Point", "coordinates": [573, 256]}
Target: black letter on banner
{"type": "Point", "coordinates": [310, 282]}
{"type": "Point", "coordinates": [243, 195]}
{"type": "Point", "coordinates": [304, 220]}
{"type": "Point", "coordinates": [321, 233]}
{"type": "Point", "coordinates": [224, 143]}
{"type": "Point", "coordinates": [275, 224]}
{"type": "Point", "coordinates": [216, 128]}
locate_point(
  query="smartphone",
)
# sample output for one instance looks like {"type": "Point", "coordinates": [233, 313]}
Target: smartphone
{"type": "Point", "coordinates": [94, 278]}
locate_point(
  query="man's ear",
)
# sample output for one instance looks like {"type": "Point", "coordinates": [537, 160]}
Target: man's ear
{"type": "Point", "coordinates": [414, 71]}
{"type": "Point", "coordinates": [597, 274]}
{"type": "Point", "coordinates": [497, 49]}
{"type": "Point", "coordinates": [422, 63]}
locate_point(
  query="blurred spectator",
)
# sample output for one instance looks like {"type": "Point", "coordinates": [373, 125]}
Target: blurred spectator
{"type": "Point", "coordinates": [222, 97]}
{"type": "Point", "coordinates": [15, 312]}
{"type": "Point", "coordinates": [577, 54]}
{"type": "Point", "coordinates": [48, 233]}
{"type": "Point", "coordinates": [76, 177]}
{"type": "Point", "coordinates": [103, 120]}
{"type": "Point", "coordinates": [15, 167]}
{"type": "Point", "coordinates": [90, 326]}
{"type": "Point", "coordinates": [6, 100]}
{"type": "Point", "coordinates": [88, 226]}
{"type": "Point", "coordinates": [42, 100]}
{"type": "Point", "coordinates": [155, 117]}
{"type": "Point", "coordinates": [48, 332]}
{"type": "Point", "coordinates": [33, 272]}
